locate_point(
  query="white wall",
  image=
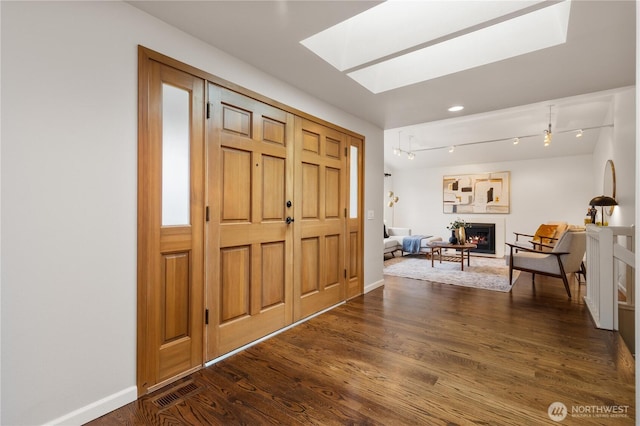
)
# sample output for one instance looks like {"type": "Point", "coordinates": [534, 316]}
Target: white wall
{"type": "Point", "coordinates": [619, 144]}
{"type": "Point", "coordinates": [68, 172]}
{"type": "Point", "coordinates": [556, 189]}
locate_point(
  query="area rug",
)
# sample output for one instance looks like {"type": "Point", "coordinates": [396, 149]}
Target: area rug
{"type": "Point", "coordinates": [485, 272]}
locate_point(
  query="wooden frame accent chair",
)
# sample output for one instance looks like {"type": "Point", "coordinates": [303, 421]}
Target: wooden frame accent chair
{"type": "Point", "coordinates": [565, 257]}
{"type": "Point", "coordinates": [545, 237]}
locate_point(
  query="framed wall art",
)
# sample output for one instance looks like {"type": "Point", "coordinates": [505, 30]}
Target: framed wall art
{"type": "Point", "coordinates": [476, 193]}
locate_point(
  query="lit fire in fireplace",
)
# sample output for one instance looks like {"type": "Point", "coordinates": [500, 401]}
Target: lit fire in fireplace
{"type": "Point", "coordinates": [482, 235]}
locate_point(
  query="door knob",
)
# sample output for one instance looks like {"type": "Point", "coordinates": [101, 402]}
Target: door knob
{"type": "Point", "coordinates": [289, 220]}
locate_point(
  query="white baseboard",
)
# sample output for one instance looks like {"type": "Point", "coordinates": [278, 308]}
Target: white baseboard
{"type": "Point", "coordinates": [373, 286]}
{"type": "Point", "coordinates": [98, 408]}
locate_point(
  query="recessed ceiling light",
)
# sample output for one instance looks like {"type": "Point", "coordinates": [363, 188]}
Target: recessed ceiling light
{"type": "Point", "coordinates": [456, 108]}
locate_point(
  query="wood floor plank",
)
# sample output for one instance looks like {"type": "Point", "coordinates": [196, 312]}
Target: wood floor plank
{"type": "Point", "coordinates": [414, 352]}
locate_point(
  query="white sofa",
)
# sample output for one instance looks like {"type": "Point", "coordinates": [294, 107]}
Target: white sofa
{"type": "Point", "coordinates": [393, 243]}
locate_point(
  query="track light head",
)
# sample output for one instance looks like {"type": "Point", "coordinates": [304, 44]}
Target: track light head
{"type": "Point", "coordinates": [547, 133]}
{"type": "Point", "coordinates": [547, 137]}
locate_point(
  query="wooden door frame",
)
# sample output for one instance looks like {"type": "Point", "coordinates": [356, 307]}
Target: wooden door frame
{"type": "Point", "coordinates": [145, 55]}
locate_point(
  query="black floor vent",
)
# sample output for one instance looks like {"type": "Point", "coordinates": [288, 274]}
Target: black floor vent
{"type": "Point", "coordinates": [175, 395]}
{"type": "Point", "coordinates": [167, 399]}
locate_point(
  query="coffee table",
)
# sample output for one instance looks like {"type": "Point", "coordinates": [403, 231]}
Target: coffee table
{"type": "Point", "coordinates": [462, 248]}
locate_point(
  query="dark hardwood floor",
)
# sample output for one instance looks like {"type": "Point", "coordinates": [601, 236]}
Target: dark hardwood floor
{"type": "Point", "coordinates": [413, 353]}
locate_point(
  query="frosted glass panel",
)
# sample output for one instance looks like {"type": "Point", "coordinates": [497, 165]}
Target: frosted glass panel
{"type": "Point", "coordinates": [175, 156]}
{"type": "Point", "coordinates": [353, 191]}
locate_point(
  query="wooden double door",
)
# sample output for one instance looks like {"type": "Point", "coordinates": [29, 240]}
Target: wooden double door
{"type": "Point", "coordinates": [267, 237]}
{"type": "Point", "coordinates": [276, 242]}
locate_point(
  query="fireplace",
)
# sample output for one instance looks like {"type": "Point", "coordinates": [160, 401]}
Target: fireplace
{"type": "Point", "coordinates": [483, 235]}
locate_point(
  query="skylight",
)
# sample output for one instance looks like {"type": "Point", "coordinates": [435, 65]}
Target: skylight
{"type": "Point", "coordinates": [389, 32]}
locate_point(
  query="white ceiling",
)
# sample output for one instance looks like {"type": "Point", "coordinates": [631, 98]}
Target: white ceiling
{"type": "Point", "coordinates": [502, 100]}
{"type": "Point", "coordinates": [490, 135]}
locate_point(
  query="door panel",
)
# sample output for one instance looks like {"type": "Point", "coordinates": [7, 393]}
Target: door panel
{"type": "Point", "coordinates": [170, 232]}
{"type": "Point", "coordinates": [333, 148]}
{"type": "Point", "coordinates": [236, 185]}
{"type": "Point", "coordinates": [176, 296]}
{"type": "Point", "coordinates": [235, 283]}
{"type": "Point", "coordinates": [310, 266]}
{"type": "Point", "coordinates": [273, 273]}
{"type": "Point", "coordinates": [273, 188]}
{"type": "Point", "coordinates": [333, 200]}
{"type": "Point", "coordinates": [311, 189]}
{"type": "Point", "coordinates": [250, 251]}
{"type": "Point", "coordinates": [320, 268]}
{"type": "Point", "coordinates": [333, 265]}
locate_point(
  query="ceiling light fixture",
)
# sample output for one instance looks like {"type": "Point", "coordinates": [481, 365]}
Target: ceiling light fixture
{"type": "Point", "coordinates": [579, 133]}
{"type": "Point", "coordinates": [547, 133]}
{"type": "Point", "coordinates": [399, 151]}
{"type": "Point", "coordinates": [456, 108]}
{"type": "Point", "coordinates": [451, 148]}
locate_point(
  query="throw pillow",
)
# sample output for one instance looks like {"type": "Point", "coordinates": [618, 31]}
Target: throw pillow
{"type": "Point", "coordinates": [386, 235]}
{"type": "Point", "coordinates": [545, 233]}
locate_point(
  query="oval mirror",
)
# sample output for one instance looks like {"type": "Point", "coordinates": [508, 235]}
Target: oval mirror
{"type": "Point", "coordinates": [609, 183]}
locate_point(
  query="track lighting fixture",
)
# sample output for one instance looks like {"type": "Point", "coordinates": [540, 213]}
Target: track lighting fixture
{"type": "Point", "coordinates": [547, 133]}
{"type": "Point", "coordinates": [515, 140]}
{"type": "Point", "coordinates": [547, 136]}
{"type": "Point", "coordinates": [399, 151]}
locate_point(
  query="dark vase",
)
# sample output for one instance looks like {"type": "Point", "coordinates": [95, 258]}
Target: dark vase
{"type": "Point", "coordinates": [453, 239]}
